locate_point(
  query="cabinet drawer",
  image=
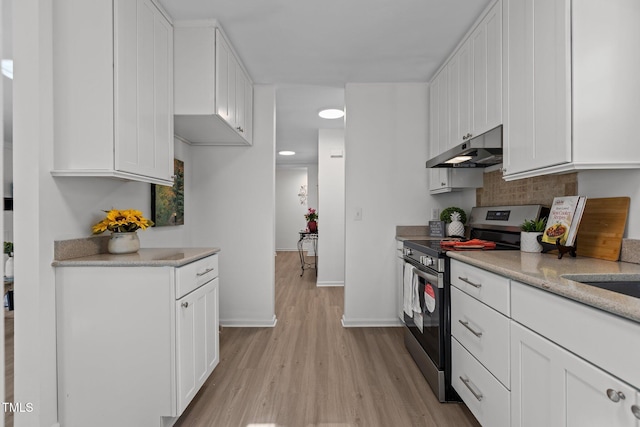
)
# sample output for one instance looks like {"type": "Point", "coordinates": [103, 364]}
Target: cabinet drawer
{"type": "Point", "coordinates": [486, 398]}
{"type": "Point", "coordinates": [196, 274]}
{"type": "Point", "coordinates": [483, 332]}
{"type": "Point", "coordinates": [490, 288]}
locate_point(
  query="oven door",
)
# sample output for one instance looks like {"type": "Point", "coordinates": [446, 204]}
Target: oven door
{"type": "Point", "coordinates": [427, 325]}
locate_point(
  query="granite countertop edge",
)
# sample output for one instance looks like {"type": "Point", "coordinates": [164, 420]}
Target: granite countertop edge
{"type": "Point", "coordinates": [147, 257]}
{"type": "Point", "coordinates": [547, 272]}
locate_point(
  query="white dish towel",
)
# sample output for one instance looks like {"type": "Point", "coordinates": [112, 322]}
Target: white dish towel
{"type": "Point", "coordinates": [408, 289]}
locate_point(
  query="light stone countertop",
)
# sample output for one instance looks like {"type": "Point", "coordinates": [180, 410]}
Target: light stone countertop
{"type": "Point", "coordinates": [147, 257]}
{"type": "Point", "coordinates": [545, 271]}
{"type": "Point", "coordinates": [417, 237]}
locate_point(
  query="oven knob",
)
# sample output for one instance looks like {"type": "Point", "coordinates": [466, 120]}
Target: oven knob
{"type": "Point", "coordinates": [408, 251]}
{"type": "Point", "coordinates": [429, 261]}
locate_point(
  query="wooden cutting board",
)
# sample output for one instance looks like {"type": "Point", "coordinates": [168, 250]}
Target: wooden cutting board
{"type": "Point", "coordinates": [602, 227]}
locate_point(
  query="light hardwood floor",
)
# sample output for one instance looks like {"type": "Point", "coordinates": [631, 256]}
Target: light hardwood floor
{"type": "Point", "coordinates": [8, 364]}
{"type": "Point", "coordinates": [310, 371]}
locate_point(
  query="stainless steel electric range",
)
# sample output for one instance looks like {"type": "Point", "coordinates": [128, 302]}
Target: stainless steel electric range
{"type": "Point", "coordinates": [427, 289]}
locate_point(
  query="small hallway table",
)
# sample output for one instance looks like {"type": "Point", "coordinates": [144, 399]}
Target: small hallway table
{"type": "Point", "coordinates": [307, 236]}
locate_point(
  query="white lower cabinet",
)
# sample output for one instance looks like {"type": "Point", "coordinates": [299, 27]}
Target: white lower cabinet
{"type": "Point", "coordinates": [482, 331]}
{"type": "Point", "coordinates": [196, 340]}
{"type": "Point", "coordinates": [134, 344]}
{"type": "Point", "coordinates": [553, 387]}
{"type": "Point", "coordinates": [524, 357]}
{"type": "Point", "coordinates": [484, 395]}
{"type": "Point", "coordinates": [480, 343]}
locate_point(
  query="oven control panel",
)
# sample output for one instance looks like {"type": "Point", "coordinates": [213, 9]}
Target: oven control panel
{"type": "Point", "coordinates": [431, 262]}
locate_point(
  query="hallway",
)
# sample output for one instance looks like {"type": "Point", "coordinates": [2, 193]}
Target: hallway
{"type": "Point", "coordinates": [310, 371]}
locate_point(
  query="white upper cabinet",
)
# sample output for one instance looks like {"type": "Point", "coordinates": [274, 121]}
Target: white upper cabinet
{"type": "Point", "coordinates": [465, 99]}
{"type": "Point", "coordinates": [571, 86]}
{"type": "Point", "coordinates": [213, 91]}
{"type": "Point", "coordinates": [113, 90]}
{"type": "Point", "coordinates": [485, 44]}
{"type": "Point", "coordinates": [468, 88]}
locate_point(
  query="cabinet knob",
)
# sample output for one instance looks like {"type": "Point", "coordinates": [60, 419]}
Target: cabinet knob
{"type": "Point", "coordinates": [443, 184]}
{"type": "Point", "coordinates": [615, 396]}
{"type": "Point", "coordinates": [185, 304]}
{"type": "Point", "coordinates": [635, 409]}
{"type": "Point", "coordinates": [239, 129]}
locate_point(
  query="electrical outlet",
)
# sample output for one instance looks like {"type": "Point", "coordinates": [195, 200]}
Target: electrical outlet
{"type": "Point", "coordinates": [358, 215]}
{"type": "Point", "coordinates": [435, 214]}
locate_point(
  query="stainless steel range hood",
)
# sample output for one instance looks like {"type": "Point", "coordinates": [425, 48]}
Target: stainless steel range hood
{"type": "Point", "coordinates": [478, 152]}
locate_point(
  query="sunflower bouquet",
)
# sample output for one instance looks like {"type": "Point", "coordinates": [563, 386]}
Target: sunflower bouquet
{"type": "Point", "coordinates": [122, 221]}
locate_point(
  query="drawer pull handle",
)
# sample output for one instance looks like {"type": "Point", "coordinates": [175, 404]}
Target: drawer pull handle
{"type": "Point", "coordinates": [477, 395]}
{"type": "Point", "coordinates": [465, 280]}
{"type": "Point", "coordinates": [635, 409]}
{"type": "Point", "coordinates": [185, 304]}
{"type": "Point", "coordinates": [202, 273]}
{"type": "Point", "coordinates": [615, 396]}
{"type": "Point", "coordinates": [466, 325]}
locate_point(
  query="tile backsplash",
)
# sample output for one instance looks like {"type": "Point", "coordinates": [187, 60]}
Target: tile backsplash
{"type": "Point", "coordinates": [529, 191]}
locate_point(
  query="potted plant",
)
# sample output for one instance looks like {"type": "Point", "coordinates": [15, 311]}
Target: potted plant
{"type": "Point", "coordinates": [455, 219]}
{"type": "Point", "coordinates": [312, 220]}
{"type": "Point", "coordinates": [530, 229]}
{"type": "Point", "coordinates": [123, 225]}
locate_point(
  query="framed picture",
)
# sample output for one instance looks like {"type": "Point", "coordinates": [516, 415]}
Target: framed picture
{"type": "Point", "coordinates": [167, 203]}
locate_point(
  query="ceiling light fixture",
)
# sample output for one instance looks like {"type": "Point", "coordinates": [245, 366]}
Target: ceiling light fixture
{"type": "Point", "coordinates": [331, 113]}
{"type": "Point", "coordinates": [286, 153]}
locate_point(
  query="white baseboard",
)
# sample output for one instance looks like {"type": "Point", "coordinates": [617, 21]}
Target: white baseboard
{"type": "Point", "coordinates": [249, 323]}
{"type": "Point", "coordinates": [371, 323]}
{"type": "Point", "coordinates": [329, 283]}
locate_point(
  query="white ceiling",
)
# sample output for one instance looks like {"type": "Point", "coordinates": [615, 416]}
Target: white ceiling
{"type": "Point", "coordinates": [310, 50]}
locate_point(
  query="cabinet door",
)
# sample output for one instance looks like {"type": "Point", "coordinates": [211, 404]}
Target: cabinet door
{"type": "Point", "coordinates": [223, 67]}
{"type": "Point", "coordinates": [459, 96]}
{"type": "Point", "coordinates": [438, 180]}
{"type": "Point", "coordinates": [486, 46]}
{"type": "Point", "coordinates": [248, 111]}
{"type": "Point", "coordinates": [143, 90]}
{"type": "Point", "coordinates": [197, 350]}
{"type": "Point", "coordinates": [553, 387]}
{"type": "Point", "coordinates": [537, 72]}
{"type": "Point", "coordinates": [241, 99]}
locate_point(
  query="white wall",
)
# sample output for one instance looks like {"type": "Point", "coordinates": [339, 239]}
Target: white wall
{"type": "Point", "coordinates": [615, 183]}
{"type": "Point", "coordinates": [235, 189]}
{"type": "Point", "coordinates": [385, 153]}
{"type": "Point", "coordinates": [289, 211]}
{"type": "Point", "coordinates": [331, 204]}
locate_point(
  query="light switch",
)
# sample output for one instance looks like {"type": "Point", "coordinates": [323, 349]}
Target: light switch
{"type": "Point", "coordinates": [435, 214]}
{"type": "Point", "coordinates": [358, 215]}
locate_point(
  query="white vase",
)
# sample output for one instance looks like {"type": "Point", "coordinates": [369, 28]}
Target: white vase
{"type": "Point", "coordinates": [529, 241]}
{"type": "Point", "coordinates": [8, 268]}
{"type": "Point", "coordinates": [455, 228]}
{"type": "Point", "coordinates": [123, 243]}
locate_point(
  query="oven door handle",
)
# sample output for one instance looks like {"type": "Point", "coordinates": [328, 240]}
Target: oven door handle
{"type": "Point", "coordinates": [431, 278]}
